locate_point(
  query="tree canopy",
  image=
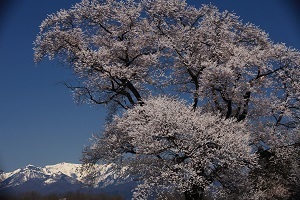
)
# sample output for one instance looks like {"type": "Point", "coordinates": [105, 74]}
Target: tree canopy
{"type": "Point", "coordinates": [241, 91]}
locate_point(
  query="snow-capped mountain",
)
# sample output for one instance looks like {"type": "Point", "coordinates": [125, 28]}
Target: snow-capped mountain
{"type": "Point", "coordinates": [60, 178]}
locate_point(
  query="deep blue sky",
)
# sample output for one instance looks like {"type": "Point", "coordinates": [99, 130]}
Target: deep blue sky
{"type": "Point", "coordinates": [39, 122]}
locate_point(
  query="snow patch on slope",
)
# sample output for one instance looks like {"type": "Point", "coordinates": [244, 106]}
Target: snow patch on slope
{"type": "Point", "coordinates": [51, 174]}
{"type": "Point", "coordinates": [69, 169]}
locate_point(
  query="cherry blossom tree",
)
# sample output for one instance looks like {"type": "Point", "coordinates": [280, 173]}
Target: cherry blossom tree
{"type": "Point", "coordinates": [109, 46]}
{"type": "Point", "coordinates": [237, 80]}
{"type": "Point", "coordinates": [167, 145]}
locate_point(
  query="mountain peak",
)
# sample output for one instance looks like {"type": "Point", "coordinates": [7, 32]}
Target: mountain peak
{"type": "Point", "coordinates": [31, 167]}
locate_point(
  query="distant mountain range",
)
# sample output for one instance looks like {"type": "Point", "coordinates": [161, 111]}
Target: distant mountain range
{"type": "Point", "coordinates": [62, 178]}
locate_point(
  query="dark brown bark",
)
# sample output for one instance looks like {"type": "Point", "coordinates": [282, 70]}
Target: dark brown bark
{"type": "Point", "coordinates": [196, 83]}
{"type": "Point", "coordinates": [244, 113]}
{"type": "Point", "coordinates": [133, 90]}
{"type": "Point", "coordinates": [197, 193]}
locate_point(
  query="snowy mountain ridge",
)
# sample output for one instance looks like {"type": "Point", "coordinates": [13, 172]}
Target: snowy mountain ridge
{"type": "Point", "coordinates": [58, 178]}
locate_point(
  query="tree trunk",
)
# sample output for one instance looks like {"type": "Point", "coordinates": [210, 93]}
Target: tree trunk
{"type": "Point", "coordinates": [133, 90]}
{"type": "Point", "coordinates": [197, 193]}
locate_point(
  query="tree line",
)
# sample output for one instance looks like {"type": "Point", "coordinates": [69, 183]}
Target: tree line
{"type": "Point", "coordinates": [77, 195]}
